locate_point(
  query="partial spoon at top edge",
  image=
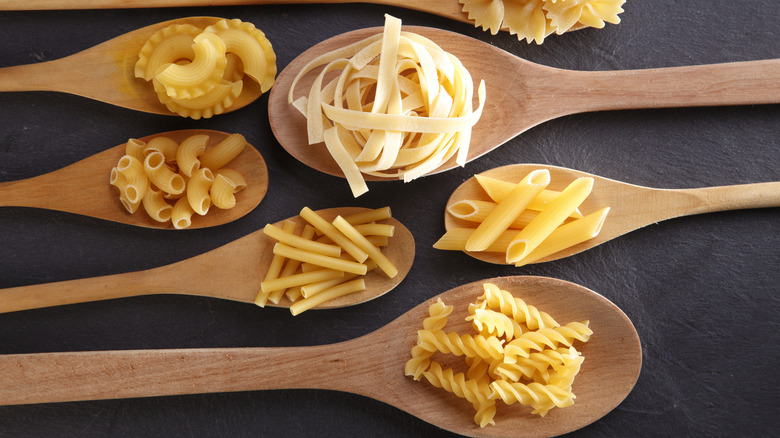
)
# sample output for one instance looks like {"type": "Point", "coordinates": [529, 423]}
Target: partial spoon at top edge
{"type": "Point", "coordinates": [631, 206]}
{"type": "Point", "coordinates": [371, 365]}
{"type": "Point", "coordinates": [233, 271]}
{"type": "Point", "coordinates": [83, 187]}
{"type": "Point", "coordinates": [110, 69]}
{"type": "Point", "coordinates": [522, 94]}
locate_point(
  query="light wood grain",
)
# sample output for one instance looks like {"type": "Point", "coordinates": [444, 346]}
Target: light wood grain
{"type": "Point", "coordinates": [233, 272]}
{"type": "Point", "coordinates": [522, 94]}
{"type": "Point", "coordinates": [110, 69]}
{"type": "Point", "coordinates": [83, 188]}
{"type": "Point", "coordinates": [372, 365]}
{"type": "Point", "coordinates": [631, 206]}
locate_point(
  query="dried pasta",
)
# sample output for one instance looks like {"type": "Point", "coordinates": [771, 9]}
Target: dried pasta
{"type": "Point", "coordinates": [198, 73]}
{"type": "Point", "coordinates": [399, 108]}
{"type": "Point", "coordinates": [537, 371]}
{"type": "Point", "coordinates": [534, 20]}
{"type": "Point", "coordinates": [524, 222]}
{"type": "Point", "coordinates": [179, 186]}
{"type": "Point", "coordinates": [310, 270]}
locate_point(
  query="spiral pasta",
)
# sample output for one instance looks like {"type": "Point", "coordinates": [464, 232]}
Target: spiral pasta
{"type": "Point", "coordinates": [533, 365]}
{"type": "Point", "coordinates": [534, 20]}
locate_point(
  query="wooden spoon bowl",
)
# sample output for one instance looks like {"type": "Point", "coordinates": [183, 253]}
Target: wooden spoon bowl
{"type": "Point", "coordinates": [631, 206]}
{"type": "Point", "coordinates": [372, 365]}
{"type": "Point", "coordinates": [522, 94]}
{"type": "Point", "coordinates": [83, 188]}
{"type": "Point", "coordinates": [110, 69]}
{"type": "Point", "coordinates": [233, 271]}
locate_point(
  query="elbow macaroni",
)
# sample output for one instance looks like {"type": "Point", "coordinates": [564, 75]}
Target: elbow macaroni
{"type": "Point", "coordinates": [532, 364]}
{"type": "Point", "coordinates": [198, 73]}
{"type": "Point", "coordinates": [169, 172]}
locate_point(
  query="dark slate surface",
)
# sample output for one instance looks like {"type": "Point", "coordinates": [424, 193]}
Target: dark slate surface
{"type": "Point", "coordinates": [702, 291]}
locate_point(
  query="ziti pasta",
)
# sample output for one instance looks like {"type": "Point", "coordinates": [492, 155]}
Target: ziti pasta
{"type": "Point", "coordinates": [172, 182]}
{"type": "Point", "coordinates": [198, 73]}
{"type": "Point", "coordinates": [323, 260]}
{"type": "Point", "coordinates": [516, 354]}
{"type": "Point", "coordinates": [534, 20]}
{"type": "Point", "coordinates": [398, 107]}
{"type": "Point", "coordinates": [525, 221]}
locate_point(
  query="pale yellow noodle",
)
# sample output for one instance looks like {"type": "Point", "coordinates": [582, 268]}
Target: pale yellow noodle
{"type": "Point", "coordinates": [135, 148]}
{"type": "Point", "coordinates": [221, 192]}
{"type": "Point", "coordinates": [320, 260]}
{"type": "Point", "coordinates": [163, 145]}
{"type": "Point", "coordinates": [288, 238]}
{"type": "Point", "coordinates": [161, 176]}
{"type": "Point", "coordinates": [234, 176]}
{"type": "Point", "coordinates": [155, 206]}
{"type": "Point", "coordinates": [274, 268]}
{"type": "Point", "coordinates": [187, 156]}
{"type": "Point", "coordinates": [281, 283]}
{"type": "Point", "coordinates": [340, 290]}
{"type": "Point", "coordinates": [198, 191]}
{"type": "Point", "coordinates": [373, 252]}
{"type": "Point", "coordinates": [223, 152]}
{"type": "Point", "coordinates": [137, 182]}
{"type": "Point", "coordinates": [334, 234]}
{"type": "Point", "coordinates": [199, 76]}
{"type": "Point", "coordinates": [498, 189]}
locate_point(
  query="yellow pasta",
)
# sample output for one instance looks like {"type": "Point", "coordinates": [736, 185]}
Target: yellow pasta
{"type": "Point", "coordinates": [196, 78]}
{"type": "Point", "coordinates": [477, 211]}
{"type": "Point", "coordinates": [181, 214]}
{"type": "Point", "coordinates": [497, 190]}
{"type": "Point", "coordinates": [534, 20]}
{"type": "Point", "coordinates": [235, 177]}
{"type": "Point", "coordinates": [300, 242]}
{"type": "Point", "coordinates": [136, 181]}
{"type": "Point", "coordinates": [198, 191]}
{"type": "Point", "coordinates": [161, 176]}
{"type": "Point", "coordinates": [549, 219]}
{"type": "Point", "coordinates": [165, 47]}
{"type": "Point", "coordinates": [369, 216]}
{"type": "Point", "coordinates": [507, 210]}
{"type": "Point", "coordinates": [530, 369]}
{"type": "Point", "coordinates": [275, 268]}
{"type": "Point", "coordinates": [187, 156]}
{"type": "Point", "coordinates": [373, 252]}
{"type": "Point", "coordinates": [455, 240]}
{"type": "Point", "coordinates": [319, 259]}
{"type": "Point", "coordinates": [251, 46]}
{"type": "Point", "coordinates": [334, 234]}
{"type": "Point", "coordinates": [164, 145]}
{"type": "Point", "coordinates": [567, 235]}
{"type": "Point", "coordinates": [135, 148]}
{"type": "Point", "coordinates": [301, 279]}
{"type": "Point", "coordinates": [223, 152]}
{"type": "Point", "coordinates": [215, 101]}
{"type": "Point", "coordinates": [326, 295]}
{"type": "Point", "coordinates": [222, 192]}
{"type": "Point", "coordinates": [156, 206]}
{"type": "Point", "coordinates": [419, 115]}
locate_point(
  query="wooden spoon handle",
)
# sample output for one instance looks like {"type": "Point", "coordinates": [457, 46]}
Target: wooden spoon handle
{"type": "Point", "coordinates": [95, 375]}
{"type": "Point", "coordinates": [735, 197]}
{"type": "Point", "coordinates": [736, 83]}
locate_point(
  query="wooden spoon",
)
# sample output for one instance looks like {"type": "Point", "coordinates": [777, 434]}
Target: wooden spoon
{"type": "Point", "coordinates": [109, 66]}
{"type": "Point", "coordinates": [631, 206]}
{"type": "Point", "coordinates": [372, 365]}
{"type": "Point", "coordinates": [233, 272]}
{"type": "Point", "coordinates": [522, 94]}
{"type": "Point", "coordinates": [83, 187]}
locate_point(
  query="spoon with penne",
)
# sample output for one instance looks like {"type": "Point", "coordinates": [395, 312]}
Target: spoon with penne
{"type": "Point", "coordinates": [610, 209]}
{"type": "Point", "coordinates": [239, 270]}
{"type": "Point", "coordinates": [373, 365]}
{"type": "Point", "coordinates": [519, 95]}
{"type": "Point", "coordinates": [85, 187]}
{"type": "Point", "coordinates": [111, 67]}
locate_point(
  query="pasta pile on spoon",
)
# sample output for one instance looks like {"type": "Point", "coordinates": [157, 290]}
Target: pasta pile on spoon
{"type": "Point", "coordinates": [399, 107]}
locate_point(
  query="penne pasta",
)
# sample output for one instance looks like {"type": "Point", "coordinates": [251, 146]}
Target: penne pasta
{"type": "Point", "coordinates": [549, 219]}
{"type": "Point", "coordinates": [497, 190]}
{"type": "Point", "coordinates": [508, 209]}
{"type": "Point", "coordinates": [455, 240]}
{"type": "Point", "coordinates": [476, 211]}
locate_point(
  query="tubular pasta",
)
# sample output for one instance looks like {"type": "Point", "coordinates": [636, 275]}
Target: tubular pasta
{"type": "Point", "coordinates": [136, 182]}
{"type": "Point", "coordinates": [288, 238]}
{"type": "Point", "coordinates": [334, 234]}
{"type": "Point", "coordinates": [223, 152]}
{"type": "Point", "coordinates": [165, 47]}
{"type": "Point", "coordinates": [161, 176]}
{"type": "Point", "coordinates": [214, 101]}
{"type": "Point", "coordinates": [274, 269]}
{"type": "Point", "coordinates": [135, 148]}
{"type": "Point", "coordinates": [163, 145]}
{"type": "Point", "coordinates": [199, 76]}
{"type": "Point", "coordinates": [251, 46]}
{"type": "Point", "coordinates": [497, 190]}
{"type": "Point", "coordinates": [182, 212]}
{"type": "Point", "coordinates": [340, 290]}
{"type": "Point", "coordinates": [476, 211]}
{"type": "Point", "coordinates": [155, 206]}
{"type": "Point", "coordinates": [373, 252]}
{"type": "Point", "coordinates": [221, 192]}
{"type": "Point", "coordinates": [320, 260]}
{"type": "Point", "coordinates": [368, 216]}
{"type": "Point", "coordinates": [189, 150]}
{"type": "Point", "coordinates": [198, 191]}
{"type": "Point", "coordinates": [235, 177]}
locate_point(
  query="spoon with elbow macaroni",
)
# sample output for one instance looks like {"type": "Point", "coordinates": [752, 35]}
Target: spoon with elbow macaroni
{"type": "Point", "coordinates": [376, 365]}
{"type": "Point", "coordinates": [196, 67]}
{"type": "Point", "coordinates": [93, 187]}
{"type": "Point", "coordinates": [253, 267]}
{"type": "Point", "coordinates": [513, 95]}
{"type": "Point", "coordinates": [570, 211]}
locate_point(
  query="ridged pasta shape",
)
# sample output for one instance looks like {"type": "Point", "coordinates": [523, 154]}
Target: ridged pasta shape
{"type": "Point", "coordinates": [545, 338]}
{"type": "Point", "coordinates": [491, 323]}
{"type": "Point", "coordinates": [221, 192]}
{"type": "Point", "coordinates": [136, 182]}
{"type": "Point", "coordinates": [418, 363]}
{"type": "Point", "coordinates": [198, 191]}
{"type": "Point", "coordinates": [187, 156]}
{"type": "Point", "coordinates": [540, 397]}
{"type": "Point", "coordinates": [251, 46]}
{"type": "Point", "coordinates": [213, 102]}
{"type": "Point", "coordinates": [521, 312]}
{"type": "Point", "coordinates": [156, 206]}
{"type": "Point", "coordinates": [164, 145]}
{"type": "Point", "coordinates": [181, 214]}
{"type": "Point", "coordinates": [223, 152]}
{"type": "Point", "coordinates": [438, 312]}
{"type": "Point", "coordinates": [564, 14]}
{"type": "Point", "coordinates": [457, 384]}
{"type": "Point", "coordinates": [234, 176]}
{"type": "Point", "coordinates": [196, 78]}
{"type": "Point", "coordinates": [527, 20]}
{"type": "Point", "coordinates": [135, 148]}
{"type": "Point", "coordinates": [161, 176]}
{"type": "Point", "coordinates": [165, 47]}
{"type": "Point", "coordinates": [461, 345]}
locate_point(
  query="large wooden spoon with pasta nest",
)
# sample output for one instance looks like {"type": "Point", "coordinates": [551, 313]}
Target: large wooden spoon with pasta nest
{"type": "Point", "coordinates": [631, 206]}
{"type": "Point", "coordinates": [83, 187]}
{"type": "Point", "coordinates": [522, 94]}
{"type": "Point", "coordinates": [233, 271]}
{"type": "Point", "coordinates": [372, 365]}
{"type": "Point", "coordinates": [110, 67]}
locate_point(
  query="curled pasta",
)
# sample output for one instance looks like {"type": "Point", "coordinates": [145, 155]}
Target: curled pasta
{"type": "Point", "coordinates": [251, 46]}
{"type": "Point", "coordinates": [165, 47]}
{"type": "Point", "coordinates": [545, 338]}
{"type": "Point", "coordinates": [238, 180]}
{"type": "Point", "coordinates": [461, 345]}
{"type": "Point", "coordinates": [164, 145]}
{"type": "Point", "coordinates": [533, 318]}
{"type": "Point", "coordinates": [475, 391]}
{"type": "Point", "coordinates": [196, 78]}
{"type": "Point", "coordinates": [221, 192]}
{"type": "Point", "coordinates": [187, 156]}
{"type": "Point", "coordinates": [181, 214]}
{"type": "Point", "coordinates": [161, 176]}
{"type": "Point", "coordinates": [491, 323]}
{"type": "Point", "coordinates": [421, 357]}
{"type": "Point", "coordinates": [156, 206]}
{"type": "Point", "coordinates": [136, 182]}
{"type": "Point", "coordinates": [540, 397]}
{"type": "Point", "coordinates": [220, 97]}
{"type": "Point", "coordinates": [198, 191]}
{"type": "Point", "coordinates": [223, 152]}
{"type": "Point", "coordinates": [135, 148]}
